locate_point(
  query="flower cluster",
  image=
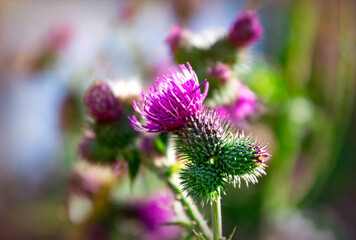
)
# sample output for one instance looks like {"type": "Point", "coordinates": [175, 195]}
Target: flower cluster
{"type": "Point", "coordinates": [213, 154]}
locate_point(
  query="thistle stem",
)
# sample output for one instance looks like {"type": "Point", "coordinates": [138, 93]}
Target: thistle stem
{"type": "Point", "coordinates": [216, 218]}
{"type": "Point", "coordinates": [188, 205]}
{"type": "Point", "coordinates": [192, 211]}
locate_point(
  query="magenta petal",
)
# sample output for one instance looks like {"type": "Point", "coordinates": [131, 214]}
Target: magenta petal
{"type": "Point", "coordinates": [166, 106]}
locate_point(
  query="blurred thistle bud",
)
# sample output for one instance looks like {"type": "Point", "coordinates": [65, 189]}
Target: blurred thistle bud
{"type": "Point", "coordinates": [246, 30]}
{"type": "Point", "coordinates": [175, 38]}
{"type": "Point", "coordinates": [101, 103]}
{"type": "Point", "coordinates": [220, 72]}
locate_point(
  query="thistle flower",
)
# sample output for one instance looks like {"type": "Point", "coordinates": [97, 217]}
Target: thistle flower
{"type": "Point", "coordinates": [175, 38]}
{"type": "Point", "coordinates": [245, 105]}
{"type": "Point", "coordinates": [101, 103]}
{"type": "Point", "coordinates": [155, 212]}
{"type": "Point", "coordinates": [166, 106]}
{"type": "Point", "coordinates": [246, 30]}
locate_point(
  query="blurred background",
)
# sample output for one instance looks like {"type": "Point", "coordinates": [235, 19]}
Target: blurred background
{"type": "Point", "coordinates": [303, 71]}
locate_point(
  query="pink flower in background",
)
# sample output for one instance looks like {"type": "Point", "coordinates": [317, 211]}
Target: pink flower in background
{"type": "Point", "coordinates": [155, 212]}
{"type": "Point", "coordinates": [246, 30]}
{"type": "Point", "coordinates": [59, 37]}
{"type": "Point", "coordinates": [166, 106]}
{"type": "Point", "coordinates": [245, 105]}
{"type": "Point", "coordinates": [174, 38]}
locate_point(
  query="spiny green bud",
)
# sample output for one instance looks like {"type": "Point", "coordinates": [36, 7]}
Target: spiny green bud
{"type": "Point", "coordinates": [243, 158]}
{"type": "Point", "coordinates": [203, 137]}
{"type": "Point", "coordinates": [209, 146]}
{"type": "Point", "coordinates": [202, 181]}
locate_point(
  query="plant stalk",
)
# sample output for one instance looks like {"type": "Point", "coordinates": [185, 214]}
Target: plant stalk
{"type": "Point", "coordinates": [191, 210]}
{"type": "Point", "coordinates": [216, 218]}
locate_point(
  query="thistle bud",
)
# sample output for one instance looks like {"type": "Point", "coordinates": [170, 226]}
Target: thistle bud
{"type": "Point", "coordinates": [243, 159]}
{"type": "Point", "coordinates": [175, 38]}
{"type": "Point", "coordinates": [214, 155]}
{"type": "Point", "coordinates": [202, 181]}
{"type": "Point", "coordinates": [220, 72]}
{"type": "Point", "coordinates": [246, 30]}
{"type": "Point", "coordinates": [101, 103]}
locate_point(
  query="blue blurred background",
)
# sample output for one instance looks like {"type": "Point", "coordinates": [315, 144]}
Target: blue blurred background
{"type": "Point", "coordinates": [303, 72]}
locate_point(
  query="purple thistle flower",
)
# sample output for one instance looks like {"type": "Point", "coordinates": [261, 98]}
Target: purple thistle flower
{"type": "Point", "coordinates": [174, 38]}
{"type": "Point", "coordinates": [245, 105]}
{"type": "Point", "coordinates": [166, 106]}
{"type": "Point", "coordinates": [101, 102]}
{"type": "Point", "coordinates": [155, 212]}
{"type": "Point", "coordinates": [245, 30]}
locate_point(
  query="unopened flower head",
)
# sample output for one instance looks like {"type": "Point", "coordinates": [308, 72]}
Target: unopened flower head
{"type": "Point", "coordinates": [246, 30]}
{"type": "Point", "coordinates": [166, 106]}
{"type": "Point", "coordinates": [101, 103]}
{"type": "Point", "coordinates": [215, 154]}
{"type": "Point", "coordinates": [174, 38]}
{"type": "Point", "coordinates": [221, 72]}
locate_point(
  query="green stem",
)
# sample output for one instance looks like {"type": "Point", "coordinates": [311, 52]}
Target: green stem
{"type": "Point", "coordinates": [216, 218]}
{"type": "Point", "coordinates": [192, 211]}
{"type": "Point", "coordinates": [188, 205]}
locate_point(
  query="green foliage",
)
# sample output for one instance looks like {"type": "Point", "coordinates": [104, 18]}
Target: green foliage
{"type": "Point", "coordinates": [119, 134]}
{"type": "Point", "coordinates": [133, 158]}
{"type": "Point", "coordinates": [100, 153]}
